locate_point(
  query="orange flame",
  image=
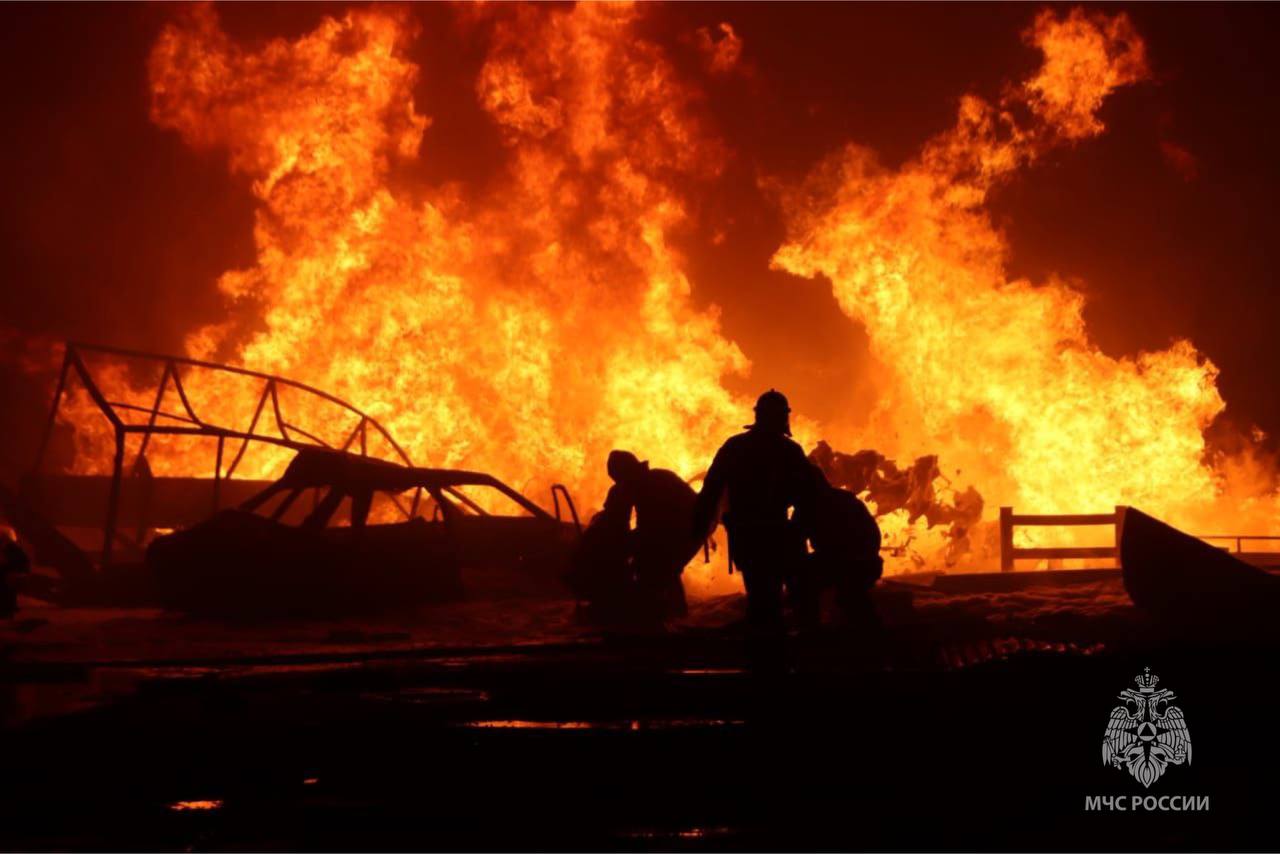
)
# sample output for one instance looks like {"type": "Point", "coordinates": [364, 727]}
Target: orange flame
{"type": "Point", "coordinates": [528, 328]}
{"type": "Point", "coordinates": [526, 332]}
{"type": "Point", "coordinates": [999, 375]}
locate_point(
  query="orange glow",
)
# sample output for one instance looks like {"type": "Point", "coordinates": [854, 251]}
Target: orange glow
{"type": "Point", "coordinates": [999, 376]}
{"type": "Point", "coordinates": [632, 725]}
{"type": "Point", "coordinates": [529, 327]}
{"type": "Point", "coordinates": [197, 806]}
{"type": "Point", "coordinates": [527, 332]}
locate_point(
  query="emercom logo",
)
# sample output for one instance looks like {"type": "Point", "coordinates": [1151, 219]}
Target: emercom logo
{"type": "Point", "coordinates": [1146, 733]}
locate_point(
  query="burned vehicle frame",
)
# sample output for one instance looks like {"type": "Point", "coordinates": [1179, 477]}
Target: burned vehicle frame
{"type": "Point", "coordinates": [133, 509]}
{"type": "Point", "coordinates": [359, 548]}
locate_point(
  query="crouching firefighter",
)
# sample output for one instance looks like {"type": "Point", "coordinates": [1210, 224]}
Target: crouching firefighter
{"type": "Point", "coordinates": [762, 476]}
{"type": "Point", "coordinates": [634, 574]}
{"type": "Point", "coordinates": [845, 555]}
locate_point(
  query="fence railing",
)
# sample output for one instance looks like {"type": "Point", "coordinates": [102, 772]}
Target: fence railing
{"type": "Point", "coordinates": [1009, 520]}
{"type": "Point", "coordinates": [1240, 540]}
{"type": "Point", "coordinates": [1010, 553]}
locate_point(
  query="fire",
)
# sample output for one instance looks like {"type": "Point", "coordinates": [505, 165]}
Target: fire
{"type": "Point", "coordinates": [999, 376]}
{"type": "Point", "coordinates": [525, 332]}
{"type": "Point", "coordinates": [528, 327]}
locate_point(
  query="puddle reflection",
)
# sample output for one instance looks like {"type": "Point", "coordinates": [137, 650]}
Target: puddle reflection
{"type": "Point", "coordinates": [197, 806]}
{"type": "Point", "coordinates": [685, 833]}
{"type": "Point", "coordinates": [432, 695]}
{"type": "Point", "coordinates": [634, 725]}
{"type": "Point", "coordinates": [709, 671]}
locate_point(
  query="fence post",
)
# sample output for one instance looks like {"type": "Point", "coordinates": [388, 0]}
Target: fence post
{"type": "Point", "coordinates": [217, 476]}
{"type": "Point", "coordinates": [113, 499]}
{"type": "Point", "coordinates": [1006, 539]}
{"type": "Point", "coordinates": [1116, 529]}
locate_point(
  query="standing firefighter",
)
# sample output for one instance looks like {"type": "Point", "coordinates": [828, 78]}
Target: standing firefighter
{"type": "Point", "coordinates": [635, 574]}
{"type": "Point", "coordinates": [763, 475]}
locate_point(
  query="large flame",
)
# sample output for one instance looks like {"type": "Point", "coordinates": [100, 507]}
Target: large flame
{"type": "Point", "coordinates": [998, 375]}
{"type": "Point", "coordinates": [526, 332]}
{"type": "Point", "coordinates": [528, 328]}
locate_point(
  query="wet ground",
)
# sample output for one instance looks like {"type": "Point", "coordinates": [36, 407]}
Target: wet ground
{"type": "Point", "coordinates": [974, 721]}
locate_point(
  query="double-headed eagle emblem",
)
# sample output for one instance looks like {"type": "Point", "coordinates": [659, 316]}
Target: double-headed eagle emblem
{"type": "Point", "coordinates": [1146, 733]}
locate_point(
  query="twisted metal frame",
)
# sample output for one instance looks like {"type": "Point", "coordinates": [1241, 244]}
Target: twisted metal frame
{"type": "Point", "coordinates": [189, 423]}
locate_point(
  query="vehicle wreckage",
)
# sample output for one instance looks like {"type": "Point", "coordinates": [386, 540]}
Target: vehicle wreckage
{"type": "Point", "coordinates": [345, 530]}
{"type": "Point", "coordinates": [341, 531]}
{"type": "Point", "coordinates": [1185, 582]}
{"type": "Point", "coordinates": [465, 533]}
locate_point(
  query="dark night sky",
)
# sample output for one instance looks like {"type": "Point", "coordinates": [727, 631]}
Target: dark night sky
{"type": "Point", "coordinates": [114, 231]}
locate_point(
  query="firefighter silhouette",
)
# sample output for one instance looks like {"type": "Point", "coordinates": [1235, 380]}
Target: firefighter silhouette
{"type": "Point", "coordinates": [635, 573]}
{"type": "Point", "coordinates": [759, 478]}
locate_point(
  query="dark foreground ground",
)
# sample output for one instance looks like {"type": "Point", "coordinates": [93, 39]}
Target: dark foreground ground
{"type": "Point", "coordinates": [973, 723]}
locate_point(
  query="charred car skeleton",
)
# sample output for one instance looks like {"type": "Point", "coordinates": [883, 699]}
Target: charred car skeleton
{"type": "Point", "coordinates": [374, 536]}
{"type": "Point", "coordinates": [342, 531]}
